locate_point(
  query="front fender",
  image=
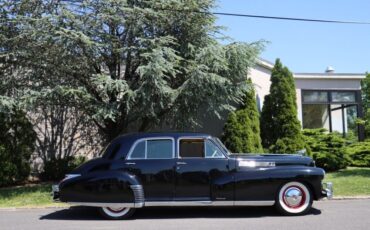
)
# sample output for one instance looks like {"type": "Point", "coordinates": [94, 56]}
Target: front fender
{"type": "Point", "coordinates": [101, 187]}
{"type": "Point", "coordinates": [263, 183]}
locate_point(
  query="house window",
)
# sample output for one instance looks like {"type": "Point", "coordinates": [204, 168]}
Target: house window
{"type": "Point", "coordinates": [332, 110]}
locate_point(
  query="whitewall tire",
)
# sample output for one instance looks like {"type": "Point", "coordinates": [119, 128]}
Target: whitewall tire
{"type": "Point", "coordinates": [116, 213]}
{"type": "Point", "coordinates": [294, 198]}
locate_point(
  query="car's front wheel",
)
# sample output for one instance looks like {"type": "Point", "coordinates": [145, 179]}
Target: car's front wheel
{"type": "Point", "coordinates": [116, 213]}
{"type": "Point", "coordinates": [294, 198]}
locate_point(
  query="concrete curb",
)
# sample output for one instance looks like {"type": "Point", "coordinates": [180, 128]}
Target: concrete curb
{"type": "Point", "coordinates": [351, 197]}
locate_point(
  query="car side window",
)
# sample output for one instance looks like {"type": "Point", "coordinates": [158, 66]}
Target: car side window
{"type": "Point", "coordinates": [212, 151]}
{"type": "Point", "coordinates": [152, 149]}
{"type": "Point", "coordinates": [159, 149]}
{"type": "Point", "coordinates": [139, 151]}
{"type": "Point", "coordinates": [190, 148]}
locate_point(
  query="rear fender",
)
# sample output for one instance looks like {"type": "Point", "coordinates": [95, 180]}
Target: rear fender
{"type": "Point", "coordinates": [102, 187]}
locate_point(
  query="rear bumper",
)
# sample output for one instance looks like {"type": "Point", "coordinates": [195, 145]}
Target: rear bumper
{"type": "Point", "coordinates": [327, 190]}
{"type": "Point", "coordinates": [55, 192]}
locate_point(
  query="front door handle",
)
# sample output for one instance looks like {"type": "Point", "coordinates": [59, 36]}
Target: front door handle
{"type": "Point", "coordinates": [181, 163]}
{"type": "Point", "coordinates": [130, 163]}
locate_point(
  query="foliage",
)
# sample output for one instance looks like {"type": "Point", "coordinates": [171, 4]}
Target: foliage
{"type": "Point", "coordinates": [127, 65]}
{"type": "Point", "coordinates": [327, 149]}
{"type": "Point", "coordinates": [359, 152]}
{"type": "Point", "coordinates": [17, 140]}
{"type": "Point", "coordinates": [55, 169]}
{"type": "Point", "coordinates": [242, 132]}
{"type": "Point", "coordinates": [365, 86]}
{"type": "Point", "coordinates": [350, 182]}
{"type": "Point", "coordinates": [280, 127]}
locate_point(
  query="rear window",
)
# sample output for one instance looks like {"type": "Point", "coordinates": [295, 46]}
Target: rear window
{"type": "Point", "coordinates": [112, 150]}
{"type": "Point", "coordinates": [152, 149]}
{"type": "Point", "coordinates": [157, 149]}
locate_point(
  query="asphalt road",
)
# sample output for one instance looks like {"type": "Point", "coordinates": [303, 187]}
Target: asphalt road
{"type": "Point", "coordinates": [334, 214]}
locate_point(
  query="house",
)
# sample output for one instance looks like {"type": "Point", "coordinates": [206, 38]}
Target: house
{"type": "Point", "coordinates": [327, 100]}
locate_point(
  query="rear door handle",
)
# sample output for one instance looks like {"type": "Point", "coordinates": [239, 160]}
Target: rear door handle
{"type": "Point", "coordinates": [130, 163]}
{"type": "Point", "coordinates": [181, 163]}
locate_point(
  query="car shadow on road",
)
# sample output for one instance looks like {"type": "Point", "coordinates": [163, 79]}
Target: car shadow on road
{"type": "Point", "coordinates": [88, 213]}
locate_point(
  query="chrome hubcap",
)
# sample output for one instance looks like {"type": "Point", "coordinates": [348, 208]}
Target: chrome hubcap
{"type": "Point", "coordinates": [293, 197]}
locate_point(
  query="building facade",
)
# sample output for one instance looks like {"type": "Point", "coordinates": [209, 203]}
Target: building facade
{"type": "Point", "coordinates": [324, 100]}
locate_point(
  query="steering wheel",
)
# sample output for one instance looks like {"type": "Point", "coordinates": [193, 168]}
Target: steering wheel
{"type": "Point", "coordinates": [214, 153]}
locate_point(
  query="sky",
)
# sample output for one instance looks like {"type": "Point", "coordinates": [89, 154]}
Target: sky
{"type": "Point", "coordinates": [304, 46]}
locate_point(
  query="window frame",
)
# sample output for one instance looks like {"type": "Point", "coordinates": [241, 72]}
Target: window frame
{"type": "Point", "coordinates": [357, 94]}
{"type": "Point", "coordinates": [204, 149]}
{"type": "Point", "coordinates": [146, 139]}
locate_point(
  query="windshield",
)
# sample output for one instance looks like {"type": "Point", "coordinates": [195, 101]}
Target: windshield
{"type": "Point", "coordinates": [223, 147]}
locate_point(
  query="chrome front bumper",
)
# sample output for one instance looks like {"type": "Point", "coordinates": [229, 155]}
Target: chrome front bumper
{"type": "Point", "coordinates": [327, 190]}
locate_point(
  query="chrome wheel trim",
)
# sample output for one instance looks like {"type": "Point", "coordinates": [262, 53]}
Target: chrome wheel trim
{"type": "Point", "coordinates": [294, 197]}
{"type": "Point", "coordinates": [115, 212]}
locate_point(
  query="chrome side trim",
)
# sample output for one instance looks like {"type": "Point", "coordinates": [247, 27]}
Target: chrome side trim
{"type": "Point", "coordinates": [113, 205]}
{"type": "Point", "coordinates": [209, 203]}
{"type": "Point", "coordinates": [252, 164]}
{"type": "Point", "coordinates": [254, 203]}
{"type": "Point", "coordinates": [178, 203]}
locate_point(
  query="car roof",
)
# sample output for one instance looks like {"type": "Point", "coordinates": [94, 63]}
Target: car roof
{"type": "Point", "coordinates": [162, 134]}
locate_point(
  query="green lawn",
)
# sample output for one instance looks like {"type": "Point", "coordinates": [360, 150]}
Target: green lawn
{"type": "Point", "coordinates": [348, 182]}
{"type": "Point", "coordinates": [27, 196]}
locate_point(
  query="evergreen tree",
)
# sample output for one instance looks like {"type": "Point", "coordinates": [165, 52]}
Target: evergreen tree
{"type": "Point", "coordinates": [242, 132]}
{"type": "Point", "coordinates": [365, 85]}
{"type": "Point", "coordinates": [280, 127]}
{"type": "Point", "coordinates": [127, 65]}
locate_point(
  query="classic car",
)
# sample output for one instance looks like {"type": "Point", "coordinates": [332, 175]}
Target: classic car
{"type": "Point", "coordinates": [190, 169]}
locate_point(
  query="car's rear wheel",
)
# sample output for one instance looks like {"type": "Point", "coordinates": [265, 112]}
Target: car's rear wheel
{"type": "Point", "coordinates": [294, 198]}
{"type": "Point", "coordinates": [116, 213]}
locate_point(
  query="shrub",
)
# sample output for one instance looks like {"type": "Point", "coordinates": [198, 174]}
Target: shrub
{"type": "Point", "coordinates": [327, 149]}
{"type": "Point", "coordinates": [359, 153]}
{"type": "Point", "coordinates": [242, 132]}
{"type": "Point", "coordinates": [280, 127]}
{"type": "Point", "coordinates": [55, 169]}
{"type": "Point", "coordinates": [17, 141]}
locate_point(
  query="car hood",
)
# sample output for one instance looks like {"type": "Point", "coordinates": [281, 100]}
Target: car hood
{"type": "Point", "coordinates": [275, 159]}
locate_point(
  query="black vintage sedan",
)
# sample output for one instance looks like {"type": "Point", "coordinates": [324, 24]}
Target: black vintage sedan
{"type": "Point", "coordinates": [190, 169]}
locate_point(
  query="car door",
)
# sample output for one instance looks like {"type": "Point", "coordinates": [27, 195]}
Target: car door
{"type": "Point", "coordinates": [152, 161]}
{"type": "Point", "coordinates": [198, 165]}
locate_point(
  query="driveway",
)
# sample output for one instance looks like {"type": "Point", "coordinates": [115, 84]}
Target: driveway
{"type": "Point", "coordinates": [335, 214]}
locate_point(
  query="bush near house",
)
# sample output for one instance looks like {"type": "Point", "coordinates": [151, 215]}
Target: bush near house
{"type": "Point", "coordinates": [327, 149]}
{"type": "Point", "coordinates": [17, 140]}
{"type": "Point", "coordinates": [359, 152]}
{"type": "Point", "coordinates": [242, 132]}
{"type": "Point", "coordinates": [55, 169]}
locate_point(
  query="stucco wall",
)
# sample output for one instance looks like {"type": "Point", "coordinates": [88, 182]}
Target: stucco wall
{"type": "Point", "coordinates": [260, 77]}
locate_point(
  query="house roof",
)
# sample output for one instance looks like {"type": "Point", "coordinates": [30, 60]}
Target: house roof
{"type": "Point", "coordinates": [269, 65]}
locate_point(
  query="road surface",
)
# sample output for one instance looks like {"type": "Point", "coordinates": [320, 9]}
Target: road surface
{"type": "Point", "coordinates": [334, 214]}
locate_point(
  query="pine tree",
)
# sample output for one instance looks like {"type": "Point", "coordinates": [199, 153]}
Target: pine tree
{"type": "Point", "coordinates": [128, 65]}
{"type": "Point", "coordinates": [365, 85]}
{"type": "Point", "coordinates": [242, 131]}
{"type": "Point", "coordinates": [280, 127]}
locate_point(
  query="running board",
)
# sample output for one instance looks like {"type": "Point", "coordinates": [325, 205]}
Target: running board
{"type": "Point", "coordinates": [178, 203]}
